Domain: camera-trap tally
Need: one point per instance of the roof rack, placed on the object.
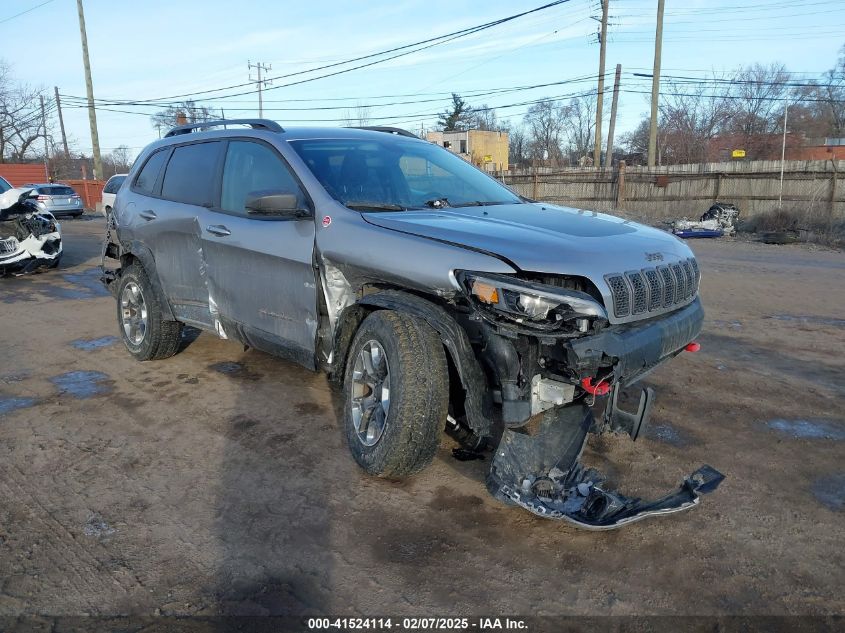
(389, 130)
(255, 124)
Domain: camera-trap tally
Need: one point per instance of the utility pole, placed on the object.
(600, 97)
(61, 121)
(261, 83)
(655, 85)
(783, 154)
(89, 88)
(46, 149)
(609, 156)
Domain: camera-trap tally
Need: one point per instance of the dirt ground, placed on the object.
(218, 481)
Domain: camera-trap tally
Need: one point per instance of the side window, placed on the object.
(146, 180)
(252, 167)
(190, 174)
(113, 184)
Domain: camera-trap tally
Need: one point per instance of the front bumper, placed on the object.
(634, 350)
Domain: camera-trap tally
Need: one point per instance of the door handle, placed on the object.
(148, 214)
(218, 230)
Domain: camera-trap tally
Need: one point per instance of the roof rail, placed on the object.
(390, 130)
(255, 124)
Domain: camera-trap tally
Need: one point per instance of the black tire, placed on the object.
(161, 338)
(419, 394)
(55, 263)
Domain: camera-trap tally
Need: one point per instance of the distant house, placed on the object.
(485, 149)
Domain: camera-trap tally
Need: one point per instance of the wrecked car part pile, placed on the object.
(29, 239)
(718, 220)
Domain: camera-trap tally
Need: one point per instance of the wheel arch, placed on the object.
(477, 403)
(130, 252)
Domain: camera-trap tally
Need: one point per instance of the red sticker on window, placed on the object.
(326, 221)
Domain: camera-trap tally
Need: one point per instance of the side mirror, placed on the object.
(275, 203)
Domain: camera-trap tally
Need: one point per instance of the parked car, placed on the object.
(30, 239)
(436, 295)
(57, 199)
(110, 191)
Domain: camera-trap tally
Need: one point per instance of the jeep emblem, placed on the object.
(654, 257)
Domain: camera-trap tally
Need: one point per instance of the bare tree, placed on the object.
(691, 116)
(581, 127)
(484, 118)
(359, 117)
(758, 96)
(545, 122)
(179, 114)
(116, 162)
(518, 142)
(20, 118)
(821, 105)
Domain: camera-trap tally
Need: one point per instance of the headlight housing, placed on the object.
(530, 303)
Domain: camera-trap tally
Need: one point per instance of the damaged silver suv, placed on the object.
(435, 295)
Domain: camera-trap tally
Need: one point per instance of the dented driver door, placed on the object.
(261, 279)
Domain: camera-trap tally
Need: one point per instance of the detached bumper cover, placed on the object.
(542, 473)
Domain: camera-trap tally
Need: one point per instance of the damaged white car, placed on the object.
(29, 238)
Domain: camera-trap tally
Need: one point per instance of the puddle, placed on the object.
(236, 370)
(809, 429)
(830, 491)
(809, 320)
(97, 527)
(88, 345)
(227, 367)
(88, 282)
(667, 434)
(82, 384)
(7, 405)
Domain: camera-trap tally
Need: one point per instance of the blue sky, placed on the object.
(147, 49)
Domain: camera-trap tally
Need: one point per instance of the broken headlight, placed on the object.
(528, 302)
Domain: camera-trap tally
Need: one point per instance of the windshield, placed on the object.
(4, 185)
(396, 175)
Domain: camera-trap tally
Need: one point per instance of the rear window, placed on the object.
(56, 190)
(191, 173)
(113, 184)
(4, 185)
(146, 180)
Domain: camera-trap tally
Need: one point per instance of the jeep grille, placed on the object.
(653, 291)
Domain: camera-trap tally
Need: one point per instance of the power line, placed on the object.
(433, 41)
(17, 15)
(480, 92)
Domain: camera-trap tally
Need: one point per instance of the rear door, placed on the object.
(168, 224)
(261, 276)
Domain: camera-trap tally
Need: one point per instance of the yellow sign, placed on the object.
(488, 158)
(738, 153)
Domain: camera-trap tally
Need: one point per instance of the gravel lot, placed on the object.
(218, 481)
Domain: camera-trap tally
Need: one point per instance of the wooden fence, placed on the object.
(688, 190)
(91, 191)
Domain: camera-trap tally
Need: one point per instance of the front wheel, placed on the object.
(139, 316)
(397, 394)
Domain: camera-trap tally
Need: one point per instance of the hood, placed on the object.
(544, 238)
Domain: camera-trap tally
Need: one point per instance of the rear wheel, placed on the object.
(396, 402)
(139, 316)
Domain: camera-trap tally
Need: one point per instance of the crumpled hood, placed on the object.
(544, 238)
